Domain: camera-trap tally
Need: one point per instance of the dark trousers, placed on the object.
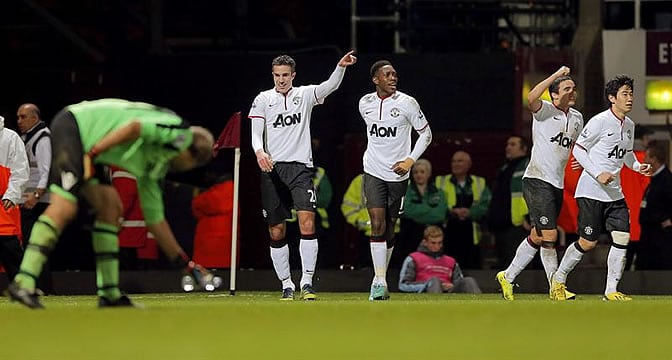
(655, 250)
(11, 254)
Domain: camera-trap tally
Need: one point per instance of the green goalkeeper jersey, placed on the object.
(163, 136)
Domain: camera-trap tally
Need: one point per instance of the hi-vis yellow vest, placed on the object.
(477, 187)
(518, 205)
(322, 212)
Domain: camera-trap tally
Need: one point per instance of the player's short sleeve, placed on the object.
(545, 112)
(258, 106)
(151, 201)
(590, 134)
(415, 115)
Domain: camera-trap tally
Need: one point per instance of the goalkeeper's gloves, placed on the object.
(202, 276)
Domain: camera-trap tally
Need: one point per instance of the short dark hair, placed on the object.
(555, 85)
(641, 130)
(657, 150)
(284, 60)
(611, 88)
(524, 143)
(377, 65)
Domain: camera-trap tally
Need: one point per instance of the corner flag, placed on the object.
(230, 136)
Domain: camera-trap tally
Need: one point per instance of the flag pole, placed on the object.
(234, 226)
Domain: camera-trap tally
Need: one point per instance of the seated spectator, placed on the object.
(424, 205)
(429, 270)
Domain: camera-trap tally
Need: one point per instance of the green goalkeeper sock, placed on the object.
(43, 238)
(106, 248)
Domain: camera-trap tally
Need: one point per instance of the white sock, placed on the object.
(388, 256)
(308, 250)
(569, 261)
(615, 267)
(549, 258)
(379, 257)
(280, 257)
(524, 254)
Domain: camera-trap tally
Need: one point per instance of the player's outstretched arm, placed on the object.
(166, 240)
(533, 97)
(324, 89)
(348, 59)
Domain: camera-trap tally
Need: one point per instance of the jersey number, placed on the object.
(313, 198)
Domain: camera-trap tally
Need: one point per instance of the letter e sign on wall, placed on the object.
(658, 53)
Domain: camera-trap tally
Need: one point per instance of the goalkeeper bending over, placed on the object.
(147, 141)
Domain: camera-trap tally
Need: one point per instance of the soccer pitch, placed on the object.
(256, 325)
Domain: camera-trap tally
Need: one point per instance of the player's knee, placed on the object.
(307, 226)
(277, 233)
(377, 226)
(620, 239)
(587, 245)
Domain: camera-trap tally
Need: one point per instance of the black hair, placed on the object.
(555, 85)
(377, 65)
(611, 88)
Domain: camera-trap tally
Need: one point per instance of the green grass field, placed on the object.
(256, 325)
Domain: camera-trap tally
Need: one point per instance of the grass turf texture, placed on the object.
(256, 325)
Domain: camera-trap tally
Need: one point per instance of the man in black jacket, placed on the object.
(655, 215)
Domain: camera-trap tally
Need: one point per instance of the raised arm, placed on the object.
(533, 97)
(334, 81)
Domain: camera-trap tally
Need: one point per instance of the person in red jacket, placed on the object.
(13, 178)
(213, 210)
(137, 247)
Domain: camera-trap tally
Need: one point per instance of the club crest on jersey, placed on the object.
(296, 100)
(395, 112)
(629, 134)
(543, 220)
(585, 133)
(576, 127)
(289, 120)
(588, 230)
(383, 131)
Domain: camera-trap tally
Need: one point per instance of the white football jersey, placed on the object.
(287, 119)
(553, 135)
(607, 139)
(389, 122)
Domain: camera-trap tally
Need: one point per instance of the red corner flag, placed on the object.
(230, 136)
